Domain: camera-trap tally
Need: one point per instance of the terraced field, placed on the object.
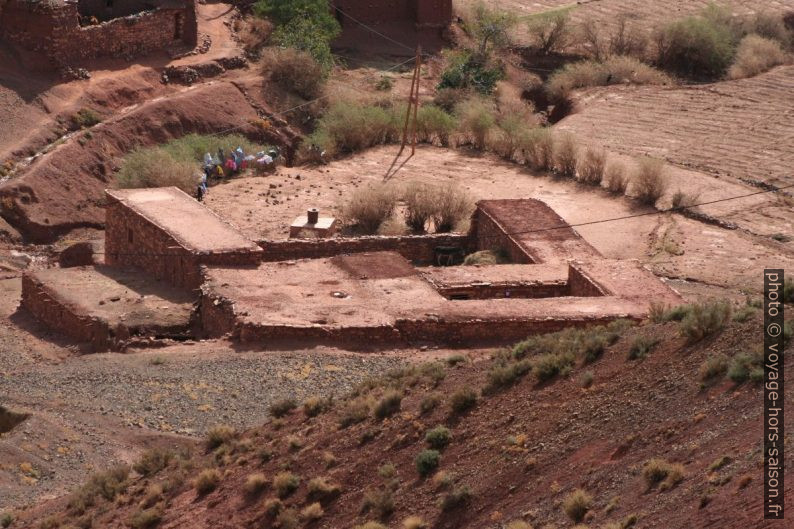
(743, 129)
(647, 15)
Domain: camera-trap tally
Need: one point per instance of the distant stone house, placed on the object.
(407, 21)
(72, 31)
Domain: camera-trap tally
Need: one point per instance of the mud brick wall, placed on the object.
(62, 318)
(582, 285)
(132, 240)
(55, 30)
(417, 248)
(490, 235)
(376, 12)
(433, 13)
(504, 290)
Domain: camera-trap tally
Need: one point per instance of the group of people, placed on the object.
(224, 166)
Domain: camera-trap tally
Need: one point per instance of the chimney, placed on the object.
(313, 215)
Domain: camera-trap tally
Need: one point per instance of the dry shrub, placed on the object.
(378, 502)
(515, 120)
(323, 490)
(487, 257)
(453, 205)
(613, 70)
(103, 485)
(156, 168)
(684, 200)
(537, 149)
(296, 71)
(624, 39)
(659, 471)
(591, 166)
(756, 55)
(699, 46)
(615, 178)
(255, 484)
(349, 127)
(207, 481)
(312, 512)
(566, 154)
(414, 522)
(476, 120)
(650, 181)
(370, 206)
(285, 483)
(314, 406)
(434, 125)
(147, 518)
(255, 33)
(550, 30)
(419, 205)
(705, 319)
(219, 435)
(576, 505)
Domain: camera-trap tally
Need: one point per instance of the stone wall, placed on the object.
(62, 318)
(55, 29)
(133, 240)
(580, 284)
(419, 249)
(505, 291)
(490, 235)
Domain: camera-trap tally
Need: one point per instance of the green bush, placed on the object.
(741, 367)
(704, 320)
(470, 71)
(489, 27)
(434, 125)
(438, 438)
(696, 46)
(641, 347)
(306, 25)
(85, 118)
(463, 400)
(476, 118)
(351, 127)
(788, 291)
(427, 462)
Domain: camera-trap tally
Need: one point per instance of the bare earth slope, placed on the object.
(519, 452)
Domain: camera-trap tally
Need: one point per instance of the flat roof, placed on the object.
(538, 229)
(193, 226)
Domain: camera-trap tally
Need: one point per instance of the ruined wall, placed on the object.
(505, 291)
(132, 240)
(109, 9)
(489, 235)
(62, 318)
(582, 285)
(416, 248)
(54, 29)
(433, 13)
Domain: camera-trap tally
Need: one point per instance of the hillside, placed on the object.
(517, 454)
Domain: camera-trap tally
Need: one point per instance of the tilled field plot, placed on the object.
(742, 129)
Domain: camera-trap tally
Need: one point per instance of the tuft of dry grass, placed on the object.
(576, 505)
(156, 168)
(613, 70)
(756, 55)
(592, 166)
(296, 71)
(615, 178)
(566, 154)
(650, 181)
(370, 206)
(537, 149)
(659, 471)
(452, 206)
(419, 205)
(312, 512)
(285, 483)
(476, 118)
(414, 522)
(255, 484)
(323, 490)
(314, 406)
(207, 481)
(219, 435)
